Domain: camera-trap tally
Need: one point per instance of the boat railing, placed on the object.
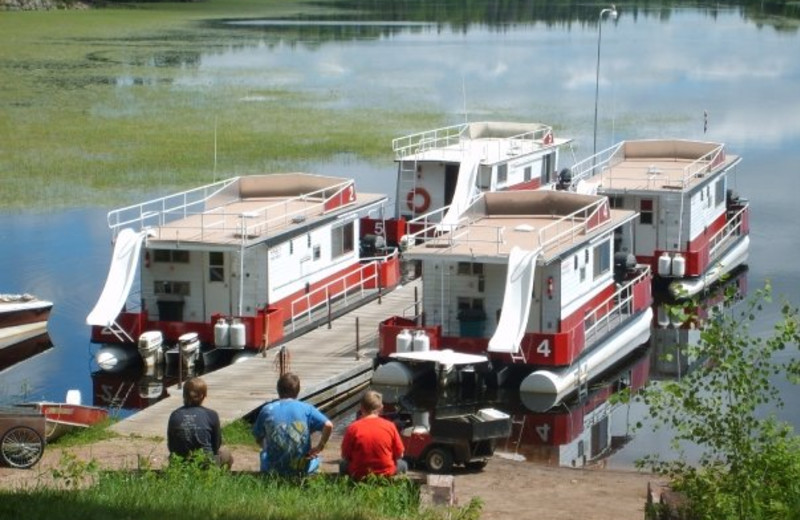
(609, 313)
(702, 165)
(352, 284)
(208, 204)
(595, 164)
(564, 229)
(458, 134)
(163, 210)
(733, 228)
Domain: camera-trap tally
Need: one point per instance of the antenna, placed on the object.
(215, 148)
(464, 97)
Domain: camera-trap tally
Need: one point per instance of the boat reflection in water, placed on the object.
(588, 425)
(18, 350)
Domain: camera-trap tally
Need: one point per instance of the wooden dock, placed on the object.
(325, 359)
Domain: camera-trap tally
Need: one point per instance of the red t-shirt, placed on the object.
(371, 445)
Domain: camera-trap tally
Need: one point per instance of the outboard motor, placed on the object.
(624, 263)
(564, 179)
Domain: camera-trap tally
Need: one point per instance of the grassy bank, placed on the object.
(98, 106)
(190, 492)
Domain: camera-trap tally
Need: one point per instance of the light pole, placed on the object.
(612, 12)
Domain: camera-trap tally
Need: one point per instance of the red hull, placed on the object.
(61, 418)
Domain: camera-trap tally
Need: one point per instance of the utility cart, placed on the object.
(467, 439)
(21, 436)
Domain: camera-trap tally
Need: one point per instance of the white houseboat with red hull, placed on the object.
(233, 263)
(692, 227)
(526, 279)
(441, 172)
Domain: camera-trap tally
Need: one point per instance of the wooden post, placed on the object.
(358, 342)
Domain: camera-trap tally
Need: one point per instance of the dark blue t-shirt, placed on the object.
(193, 428)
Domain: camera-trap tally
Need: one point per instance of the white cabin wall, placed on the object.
(290, 267)
(579, 285)
(705, 208)
(430, 176)
(669, 222)
(516, 170)
(255, 279)
(191, 273)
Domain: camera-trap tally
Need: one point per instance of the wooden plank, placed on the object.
(323, 358)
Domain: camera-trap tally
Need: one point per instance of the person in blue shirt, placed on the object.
(283, 429)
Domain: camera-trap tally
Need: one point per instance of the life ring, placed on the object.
(411, 199)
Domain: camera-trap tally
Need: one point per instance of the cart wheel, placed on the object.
(21, 447)
(439, 460)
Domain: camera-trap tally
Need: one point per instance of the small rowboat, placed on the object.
(61, 418)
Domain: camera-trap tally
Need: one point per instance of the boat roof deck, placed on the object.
(660, 165)
(492, 142)
(490, 237)
(250, 209)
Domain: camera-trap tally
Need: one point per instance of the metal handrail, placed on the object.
(451, 135)
(621, 303)
(309, 308)
(731, 228)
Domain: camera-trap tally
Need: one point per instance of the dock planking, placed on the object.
(325, 359)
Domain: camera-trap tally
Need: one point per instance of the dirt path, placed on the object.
(508, 489)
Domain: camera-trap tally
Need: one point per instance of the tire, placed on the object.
(21, 447)
(439, 460)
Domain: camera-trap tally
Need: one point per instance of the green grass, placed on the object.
(86, 118)
(186, 491)
(83, 436)
(239, 432)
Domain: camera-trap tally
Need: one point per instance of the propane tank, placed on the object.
(664, 264)
(678, 266)
(403, 341)
(663, 317)
(238, 334)
(221, 333)
(422, 343)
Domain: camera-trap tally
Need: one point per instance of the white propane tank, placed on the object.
(422, 343)
(403, 341)
(678, 266)
(238, 334)
(664, 264)
(221, 333)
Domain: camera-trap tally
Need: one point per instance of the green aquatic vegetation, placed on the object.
(99, 107)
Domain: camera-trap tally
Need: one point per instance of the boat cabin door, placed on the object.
(645, 230)
(216, 283)
(450, 181)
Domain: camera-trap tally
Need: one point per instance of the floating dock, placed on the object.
(330, 362)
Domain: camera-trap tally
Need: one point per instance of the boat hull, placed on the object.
(736, 256)
(62, 418)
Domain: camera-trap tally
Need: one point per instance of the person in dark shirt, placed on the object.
(193, 427)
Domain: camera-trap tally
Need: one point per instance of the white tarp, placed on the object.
(444, 357)
(465, 191)
(516, 301)
(121, 274)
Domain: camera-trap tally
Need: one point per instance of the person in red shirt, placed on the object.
(372, 444)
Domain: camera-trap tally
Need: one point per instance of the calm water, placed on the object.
(658, 75)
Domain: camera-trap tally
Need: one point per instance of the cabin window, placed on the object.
(470, 268)
(171, 256)
(216, 266)
(616, 202)
(502, 174)
(719, 192)
(646, 211)
(308, 239)
(527, 173)
(602, 258)
(291, 247)
(317, 252)
(171, 287)
(342, 241)
(470, 304)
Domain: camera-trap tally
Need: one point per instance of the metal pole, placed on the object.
(612, 12)
(358, 342)
(330, 312)
(416, 305)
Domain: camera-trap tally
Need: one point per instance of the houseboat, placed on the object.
(533, 281)
(692, 226)
(237, 264)
(441, 172)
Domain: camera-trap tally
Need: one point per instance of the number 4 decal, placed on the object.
(544, 432)
(544, 348)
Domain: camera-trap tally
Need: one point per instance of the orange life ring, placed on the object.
(411, 199)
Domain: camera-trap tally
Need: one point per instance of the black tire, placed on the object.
(439, 460)
(21, 447)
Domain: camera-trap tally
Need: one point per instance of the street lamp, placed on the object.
(612, 12)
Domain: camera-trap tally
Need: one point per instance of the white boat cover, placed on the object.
(444, 357)
(465, 192)
(516, 301)
(121, 274)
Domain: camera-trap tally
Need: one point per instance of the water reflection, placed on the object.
(12, 353)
